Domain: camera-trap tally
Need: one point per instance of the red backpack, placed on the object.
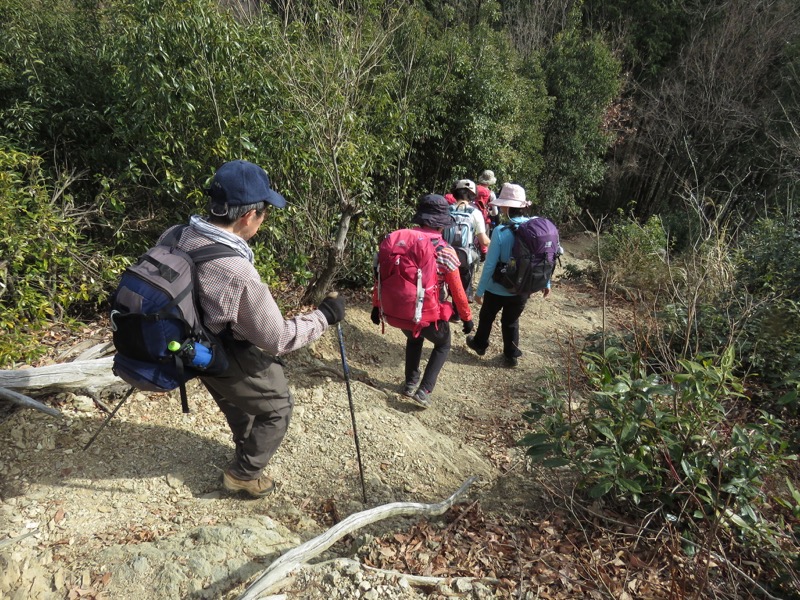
(408, 287)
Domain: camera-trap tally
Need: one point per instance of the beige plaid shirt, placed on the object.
(231, 291)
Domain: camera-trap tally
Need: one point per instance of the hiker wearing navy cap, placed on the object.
(253, 393)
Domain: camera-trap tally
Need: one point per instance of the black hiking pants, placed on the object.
(512, 307)
(437, 333)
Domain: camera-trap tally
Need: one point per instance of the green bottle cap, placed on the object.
(174, 346)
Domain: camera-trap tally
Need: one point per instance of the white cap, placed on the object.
(466, 184)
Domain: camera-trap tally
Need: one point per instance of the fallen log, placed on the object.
(272, 577)
(22, 400)
(90, 376)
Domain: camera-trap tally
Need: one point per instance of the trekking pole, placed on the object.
(346, 370)
(110, 416)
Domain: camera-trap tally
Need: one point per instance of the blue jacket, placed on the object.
(499, 251)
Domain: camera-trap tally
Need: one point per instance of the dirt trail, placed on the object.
(140, 514)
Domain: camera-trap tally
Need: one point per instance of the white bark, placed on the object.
(276, 573)
(27, 402)
(91, 376)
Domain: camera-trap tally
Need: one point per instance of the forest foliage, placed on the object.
(355, 109)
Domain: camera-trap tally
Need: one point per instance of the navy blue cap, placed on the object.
(240, 182)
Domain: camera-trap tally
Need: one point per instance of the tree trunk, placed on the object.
(334, 259)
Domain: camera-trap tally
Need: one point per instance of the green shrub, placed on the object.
(768, 268)
(583, 77)
(743, 296)
(663, 442)
(49, 269)
(634, 256)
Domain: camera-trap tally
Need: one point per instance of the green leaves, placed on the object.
(52, 265)
(661, 441)
(583, 77)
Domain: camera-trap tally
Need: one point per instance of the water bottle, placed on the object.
(198, 354)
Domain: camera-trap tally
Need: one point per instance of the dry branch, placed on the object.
(27, 402)
(415, 580)
(274, 575)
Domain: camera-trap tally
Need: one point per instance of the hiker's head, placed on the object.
(433, 211)
(464, 190)
(487, 178)
(483, 197)
(239, 187)
(511, 200)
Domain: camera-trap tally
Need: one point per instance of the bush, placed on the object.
(49, 268)
(768, 268)
(663, 442)
(634, 256)
(672, 446)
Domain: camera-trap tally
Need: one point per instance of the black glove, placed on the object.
(468, 326)
(375, 315)
(333, 309)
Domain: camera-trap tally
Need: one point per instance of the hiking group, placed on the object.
(195, 306)
(415, 273)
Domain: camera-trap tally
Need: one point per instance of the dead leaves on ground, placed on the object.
(517, 554)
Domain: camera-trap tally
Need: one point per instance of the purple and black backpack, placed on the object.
(533, 257)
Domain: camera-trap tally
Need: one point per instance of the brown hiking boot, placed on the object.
(258, 488)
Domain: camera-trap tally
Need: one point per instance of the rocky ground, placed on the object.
(140, 514)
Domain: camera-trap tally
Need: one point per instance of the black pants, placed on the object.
(439, 335)
(512, 307)
(467, 273)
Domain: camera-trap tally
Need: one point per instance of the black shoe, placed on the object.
(510, 361)
(472, 346)
(410, 387)
(422, 398)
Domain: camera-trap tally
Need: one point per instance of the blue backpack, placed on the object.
(156, 319)
(461, 235)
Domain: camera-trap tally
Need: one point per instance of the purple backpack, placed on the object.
(533, 257)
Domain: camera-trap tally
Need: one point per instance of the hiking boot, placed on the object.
(257, 488)
(510, 361)
(410, 387)
(422, 398)
(474, 347)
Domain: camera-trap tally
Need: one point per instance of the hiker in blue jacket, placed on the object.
(491, 295)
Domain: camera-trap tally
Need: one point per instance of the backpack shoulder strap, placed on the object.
(198, 255)
(174, 236)
(211, 252)
(510, 226)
